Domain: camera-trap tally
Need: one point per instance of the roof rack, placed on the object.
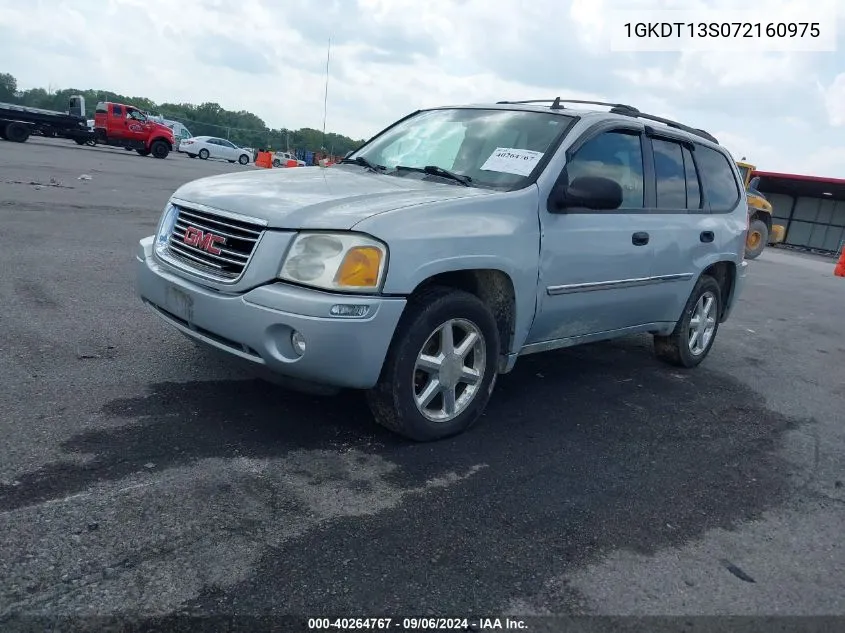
(619, 108)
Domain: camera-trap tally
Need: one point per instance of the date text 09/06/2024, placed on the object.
(750, 30)
(416, 624)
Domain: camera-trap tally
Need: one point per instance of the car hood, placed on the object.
(317, 197)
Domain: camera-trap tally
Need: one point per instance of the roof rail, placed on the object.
(622, 109)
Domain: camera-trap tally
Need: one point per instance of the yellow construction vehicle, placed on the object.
(760, 228)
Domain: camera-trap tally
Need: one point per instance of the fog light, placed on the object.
(298, 342)
(347, 310)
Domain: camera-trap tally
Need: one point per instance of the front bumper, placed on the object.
(257, 325)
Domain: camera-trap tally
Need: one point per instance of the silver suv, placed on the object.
(450, 244)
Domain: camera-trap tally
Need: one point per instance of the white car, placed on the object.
(281, 159)
(212, 147)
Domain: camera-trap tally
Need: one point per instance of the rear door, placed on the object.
(116, 125)
(688, 237)
(213, 147)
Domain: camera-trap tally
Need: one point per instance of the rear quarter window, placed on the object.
(720, 188)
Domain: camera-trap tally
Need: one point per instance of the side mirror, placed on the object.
(589, 192)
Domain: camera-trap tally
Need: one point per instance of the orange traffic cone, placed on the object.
(839, 271)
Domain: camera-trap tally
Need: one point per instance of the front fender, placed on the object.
(492, 232)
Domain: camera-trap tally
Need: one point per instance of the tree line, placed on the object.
(242, 128)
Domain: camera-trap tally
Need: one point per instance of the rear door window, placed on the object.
(671, 186)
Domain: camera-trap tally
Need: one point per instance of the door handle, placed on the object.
(640, 238)
(707, 236)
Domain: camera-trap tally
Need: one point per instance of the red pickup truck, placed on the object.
(126, 126)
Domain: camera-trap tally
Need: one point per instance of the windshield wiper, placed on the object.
(360, 160)
(438, 171)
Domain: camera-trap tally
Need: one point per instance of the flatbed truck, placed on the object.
(115, 124)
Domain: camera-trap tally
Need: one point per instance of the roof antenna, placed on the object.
(556, 105)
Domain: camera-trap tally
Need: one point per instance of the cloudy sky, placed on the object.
(783, 111)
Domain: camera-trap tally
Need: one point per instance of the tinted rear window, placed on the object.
(721, 192)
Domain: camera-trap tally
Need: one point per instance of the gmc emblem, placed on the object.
(203, 241)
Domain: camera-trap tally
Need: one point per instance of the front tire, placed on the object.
(244, 159)
(440, 368)
(277, 162)
(203, 154)
(695, 332)
(159, 149)
(758, 237)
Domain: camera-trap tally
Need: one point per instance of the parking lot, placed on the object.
(140, 474)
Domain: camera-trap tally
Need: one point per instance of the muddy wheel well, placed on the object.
(724, 273)
(493, 287)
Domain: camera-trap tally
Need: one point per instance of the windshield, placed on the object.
(495, 148)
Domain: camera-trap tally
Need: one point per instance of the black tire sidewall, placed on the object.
(156, 152)
(16, 132)
(241, 161)
(203, 153)
(419, 328)
(705, 283)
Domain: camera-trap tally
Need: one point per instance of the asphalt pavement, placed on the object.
(142, 475)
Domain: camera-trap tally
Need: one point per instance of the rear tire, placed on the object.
(695, 332)
(159, 149)
(419, 361)
(758, 237)
(203, 154)
(17, 132)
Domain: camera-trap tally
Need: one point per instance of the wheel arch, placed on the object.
(764, 217)
(724, 272)
(163, 139)
(493, 286)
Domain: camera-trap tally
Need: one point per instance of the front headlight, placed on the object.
(166, 224)
(336, 261)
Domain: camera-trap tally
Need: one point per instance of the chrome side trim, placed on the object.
(613, 285)
(215, 211)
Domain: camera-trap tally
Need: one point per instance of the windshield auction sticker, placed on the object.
(512, 161)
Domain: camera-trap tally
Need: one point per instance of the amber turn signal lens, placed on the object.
(360, 268)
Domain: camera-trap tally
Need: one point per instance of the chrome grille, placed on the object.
(234, 254)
